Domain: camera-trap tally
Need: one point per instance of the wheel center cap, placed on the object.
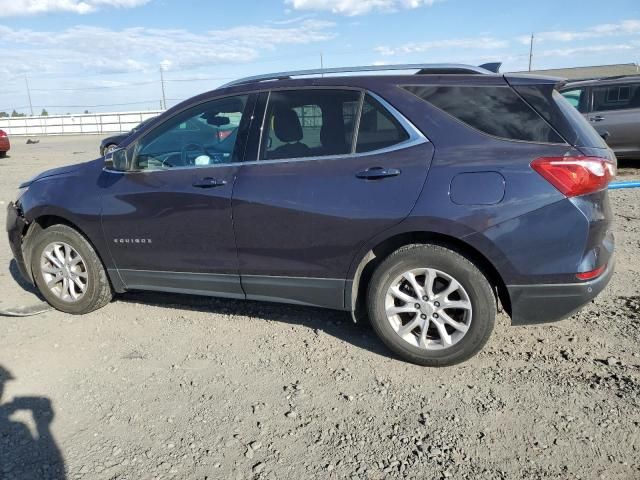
(427, 308)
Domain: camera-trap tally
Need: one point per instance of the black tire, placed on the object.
(444, 259)
(3, 154)
(98, 290)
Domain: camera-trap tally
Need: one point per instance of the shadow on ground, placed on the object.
(27, 453)
(19, 279)
(335, 323)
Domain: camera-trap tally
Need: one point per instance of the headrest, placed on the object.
(286, 125)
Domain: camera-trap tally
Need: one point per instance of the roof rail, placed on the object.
(426, 68)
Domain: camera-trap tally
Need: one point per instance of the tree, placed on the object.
(3, 114)
(16, 114)
(86, 111)
(44, 113)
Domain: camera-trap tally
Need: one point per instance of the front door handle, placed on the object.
(597, 118)
(376, 173)
(209, 182)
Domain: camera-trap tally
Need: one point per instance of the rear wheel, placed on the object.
(431, 305)
(68, 272)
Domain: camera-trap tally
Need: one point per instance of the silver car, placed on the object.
(612, 105)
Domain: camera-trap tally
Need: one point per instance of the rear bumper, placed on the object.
(5, 146)
(15, 226)
(532, 304)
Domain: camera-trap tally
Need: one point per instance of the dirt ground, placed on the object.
(169, 386)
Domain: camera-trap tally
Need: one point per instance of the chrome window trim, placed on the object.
(416, 137)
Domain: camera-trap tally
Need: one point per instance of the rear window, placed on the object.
(497, 111)
(556, 110)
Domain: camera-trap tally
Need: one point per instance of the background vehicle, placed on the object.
(612, 105)
(109, 144)
(5, 146)
(419, 200)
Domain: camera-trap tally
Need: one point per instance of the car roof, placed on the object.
(603, 81)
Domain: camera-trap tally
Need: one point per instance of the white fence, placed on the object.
(92, 123)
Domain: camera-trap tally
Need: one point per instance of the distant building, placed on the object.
(587, 73)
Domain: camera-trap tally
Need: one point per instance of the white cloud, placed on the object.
(12, 8)
(357, 7)
(484, 43)
(625, 27)
(144, 49)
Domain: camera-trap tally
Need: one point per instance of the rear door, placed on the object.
(616, 110)
(316, 191)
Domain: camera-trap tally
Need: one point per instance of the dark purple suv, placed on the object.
(420, 201)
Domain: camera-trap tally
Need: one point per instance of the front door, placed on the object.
(317, 192)
(168, 221)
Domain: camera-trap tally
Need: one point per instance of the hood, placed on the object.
(54, 172)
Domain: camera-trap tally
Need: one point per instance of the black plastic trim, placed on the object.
(531, 304)
(317, 292)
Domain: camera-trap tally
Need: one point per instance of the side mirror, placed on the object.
(605, 135)
(117, 160)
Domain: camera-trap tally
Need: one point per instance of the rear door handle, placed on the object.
(376, 173)
(209, 182)
(597, 118)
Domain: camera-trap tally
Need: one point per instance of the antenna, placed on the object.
(531, 52)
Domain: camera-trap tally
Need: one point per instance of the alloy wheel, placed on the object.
(428, 309)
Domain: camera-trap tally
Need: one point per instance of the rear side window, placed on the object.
(378, 128)
(310, 123)
(616, 97)
(497, 111)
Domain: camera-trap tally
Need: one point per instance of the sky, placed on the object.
(106, 55)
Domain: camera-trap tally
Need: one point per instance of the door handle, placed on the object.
(209, 182)
(376, 173)
(597, 118)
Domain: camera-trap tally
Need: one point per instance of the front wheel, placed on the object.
(431, 305)
(68, 272)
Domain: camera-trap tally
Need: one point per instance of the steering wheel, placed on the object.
(189, 148)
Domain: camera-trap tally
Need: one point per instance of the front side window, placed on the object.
(497, 111)
(202, 136)
(616, 97)
(309, 123)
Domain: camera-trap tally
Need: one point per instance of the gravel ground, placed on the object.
(169, 386)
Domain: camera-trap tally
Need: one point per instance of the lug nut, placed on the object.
(417, 306)
(425, 298)
(435, 315)
(437, 304)
(423, 316)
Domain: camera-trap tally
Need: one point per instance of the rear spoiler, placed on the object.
(492, 66)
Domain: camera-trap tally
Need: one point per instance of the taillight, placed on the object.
(3, 133)
(575, 176)
(592, 274)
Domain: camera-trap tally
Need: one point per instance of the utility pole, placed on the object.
(164, 99)
(531, 52)
(26, 81)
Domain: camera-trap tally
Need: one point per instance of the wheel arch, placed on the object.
(355, 293)
(45, 220)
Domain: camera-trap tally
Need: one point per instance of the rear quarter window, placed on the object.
(496, 111)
